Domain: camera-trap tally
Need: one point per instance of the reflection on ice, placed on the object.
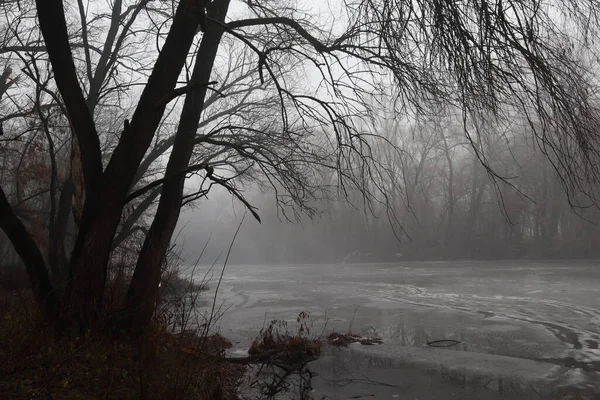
(383, 373)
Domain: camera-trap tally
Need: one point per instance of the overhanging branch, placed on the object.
(150, 186)
(295, 25)
(54, 30)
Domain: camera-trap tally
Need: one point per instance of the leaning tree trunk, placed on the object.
(142, 293)
(32, 257)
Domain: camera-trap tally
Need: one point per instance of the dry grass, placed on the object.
(34, 365)
(280, 359)
(285, 347)
(277, 342)
(163, 364)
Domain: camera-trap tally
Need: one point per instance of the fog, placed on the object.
(440, 203)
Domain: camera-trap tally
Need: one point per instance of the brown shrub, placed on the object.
(277, 342)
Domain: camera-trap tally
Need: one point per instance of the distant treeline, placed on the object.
(442, 205)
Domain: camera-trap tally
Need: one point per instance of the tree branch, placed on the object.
(126, 227)
(54, 30)
(295, 25)
(40, 49)
(150, 186)
(84, 37)
(234, 191)
(187, 89)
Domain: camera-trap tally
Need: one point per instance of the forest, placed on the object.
(444, 205)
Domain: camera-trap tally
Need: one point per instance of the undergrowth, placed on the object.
(277, 340)
(35, 365)
(104, 364)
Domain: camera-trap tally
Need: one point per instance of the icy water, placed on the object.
(520, 325)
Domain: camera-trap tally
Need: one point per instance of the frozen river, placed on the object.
(543, 317)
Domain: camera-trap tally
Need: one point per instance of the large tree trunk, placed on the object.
(106, 192)
(102, 215)
(143, 290)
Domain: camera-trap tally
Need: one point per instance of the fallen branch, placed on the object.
(344, 339)
(253, 359)
(443, 343)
